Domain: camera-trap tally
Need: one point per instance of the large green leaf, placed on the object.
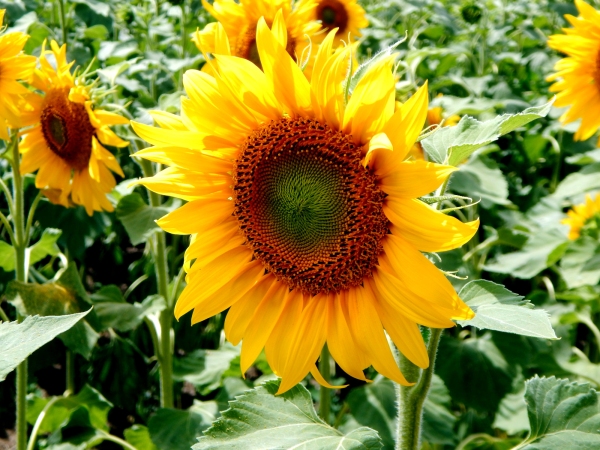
(562, 415)
(586, 180)
(45, 246)
(438, 421)
(542, 250)
(480, 178)
(452, 145)
(123, 316)
(19, 340)
(176, 429)
(7, 257)
(258, 419)
(65, 295)
(497, 308)
(139, 437)
(474, 371)
(580, 265)
(138, 217)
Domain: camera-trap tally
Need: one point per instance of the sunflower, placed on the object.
(305, 220)
(66, 142)
(579, 217)
(14, 66)
(345, 15)
(239, 20)
(577, 77)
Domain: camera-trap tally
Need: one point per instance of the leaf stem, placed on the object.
(3, 315)
(324, 393)
(39, 421)
(116, 440)
(63, 24)
(70, 369)
(30, 215)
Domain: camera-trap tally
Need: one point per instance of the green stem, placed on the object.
(411, 399)
(63, 24)
(164, 352)
(3, 315)
(116, 440)
(324, 393)
(38, 422)
(30, 215)
(20, 246)
(7, 195)
(70, 366)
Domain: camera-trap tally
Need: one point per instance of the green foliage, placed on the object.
(19, 340)
(258, 419)
(138, 218)
(176, 429)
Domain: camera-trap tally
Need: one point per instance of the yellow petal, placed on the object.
(198, 215)
(413, 179)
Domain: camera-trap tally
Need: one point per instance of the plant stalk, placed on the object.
(324, 393)
(63, 22)
(164, 352)
(20, 246)
(70, 366)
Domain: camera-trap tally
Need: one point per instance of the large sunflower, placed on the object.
(305, 220)
(66, 142)
(14, 66)
(239, 20)
(577, 80)
(345, 15)
(581, 216)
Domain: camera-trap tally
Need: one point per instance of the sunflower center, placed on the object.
(333, 14)
(310, 212)
(67, 128)
(246, 46)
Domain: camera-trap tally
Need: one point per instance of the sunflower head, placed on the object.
(303, 211)
(584, 219)
(577, 77)
(14, 66)
(66, 144)
(239, 21)
(347, 16)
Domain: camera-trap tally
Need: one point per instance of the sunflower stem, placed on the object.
(411, 399)
(324, 393)
(163, 351)
(63, 22)
(20, 246)
(70, 369)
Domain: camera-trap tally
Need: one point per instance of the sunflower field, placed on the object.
(299, 224)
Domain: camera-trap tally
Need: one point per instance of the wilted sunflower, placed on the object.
(305, 220)
(14, 66)
(580, 215)
(66, 142)
(239, 20)
(578, 75)
(345, 15)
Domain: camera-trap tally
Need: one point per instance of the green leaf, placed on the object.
(562, 414)
(139, 437)
(452, 145)
(204, 368)
(512, 414)
(64, 296)
(497, 308)
(62, 407)
(138, 218)
(474, 371)
(438, 421)
(176, 429)
(541, 251)
(45, 246)
(586, 180)
(124, 316)
(258, 419)
(7, 257)
(19, 340)
(96, 32)
(579, 266)
(480, 178)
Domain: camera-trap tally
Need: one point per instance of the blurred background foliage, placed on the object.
(482, 58)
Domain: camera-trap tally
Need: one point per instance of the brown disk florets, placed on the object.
(67, 128)
(311, 213)
(333, 14)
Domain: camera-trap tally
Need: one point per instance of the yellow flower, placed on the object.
(239, 20)
(577, 80)
(304, 216)
(579, 215)
(345, 15)
(65, 145)
(14, 66)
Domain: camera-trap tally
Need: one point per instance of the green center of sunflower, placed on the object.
(333, 14)
(67, 128)
(310, 212)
